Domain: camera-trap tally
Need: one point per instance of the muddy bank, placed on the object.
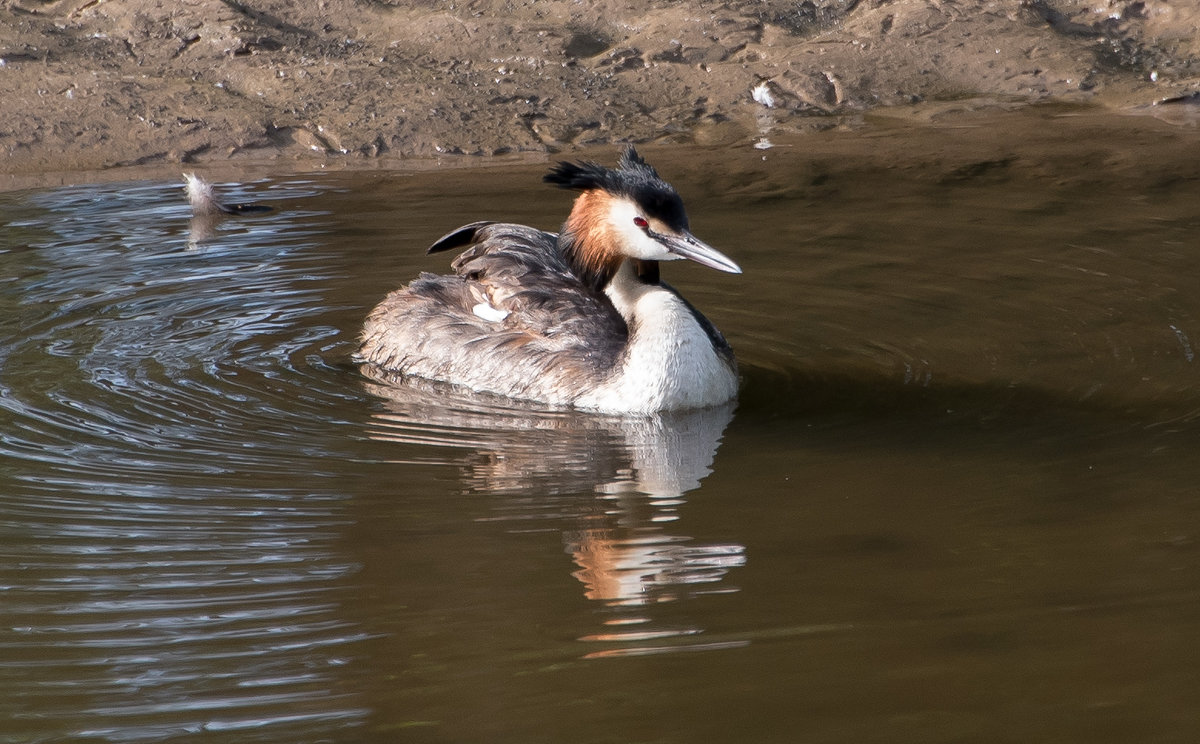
(90, 84)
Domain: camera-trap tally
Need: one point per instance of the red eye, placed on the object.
(641, 222)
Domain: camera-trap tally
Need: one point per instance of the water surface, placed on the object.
(957, 499)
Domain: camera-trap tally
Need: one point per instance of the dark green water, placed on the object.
(959, 498)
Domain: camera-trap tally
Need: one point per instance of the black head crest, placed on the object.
(633, 178)
(631, 170)
(631, 161)
(583, 176)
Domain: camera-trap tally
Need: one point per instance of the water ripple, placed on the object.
(158, 578)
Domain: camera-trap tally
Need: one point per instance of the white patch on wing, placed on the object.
(489, 313)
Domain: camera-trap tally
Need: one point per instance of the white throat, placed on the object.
(670, 361)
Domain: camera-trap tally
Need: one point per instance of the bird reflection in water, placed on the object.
(615, 485)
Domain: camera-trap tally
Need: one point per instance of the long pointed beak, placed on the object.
(686, 245)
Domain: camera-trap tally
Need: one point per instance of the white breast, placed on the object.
(670, 362)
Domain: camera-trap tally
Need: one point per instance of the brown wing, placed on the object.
(513, 319)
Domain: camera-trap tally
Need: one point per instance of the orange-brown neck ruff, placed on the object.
(587, 241)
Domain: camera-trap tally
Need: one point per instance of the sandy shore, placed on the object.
(95, 84)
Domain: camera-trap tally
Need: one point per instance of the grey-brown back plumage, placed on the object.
(556, 328)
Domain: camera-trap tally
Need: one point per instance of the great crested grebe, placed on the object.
(577, 319)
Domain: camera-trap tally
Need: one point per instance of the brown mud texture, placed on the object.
(92, 84)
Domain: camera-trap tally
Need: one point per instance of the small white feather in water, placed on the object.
(201, 196)
(205, 203)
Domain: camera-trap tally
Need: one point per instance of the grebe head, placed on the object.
(628, 212)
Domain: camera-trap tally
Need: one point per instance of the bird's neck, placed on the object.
(587, 240)
(670, 360)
